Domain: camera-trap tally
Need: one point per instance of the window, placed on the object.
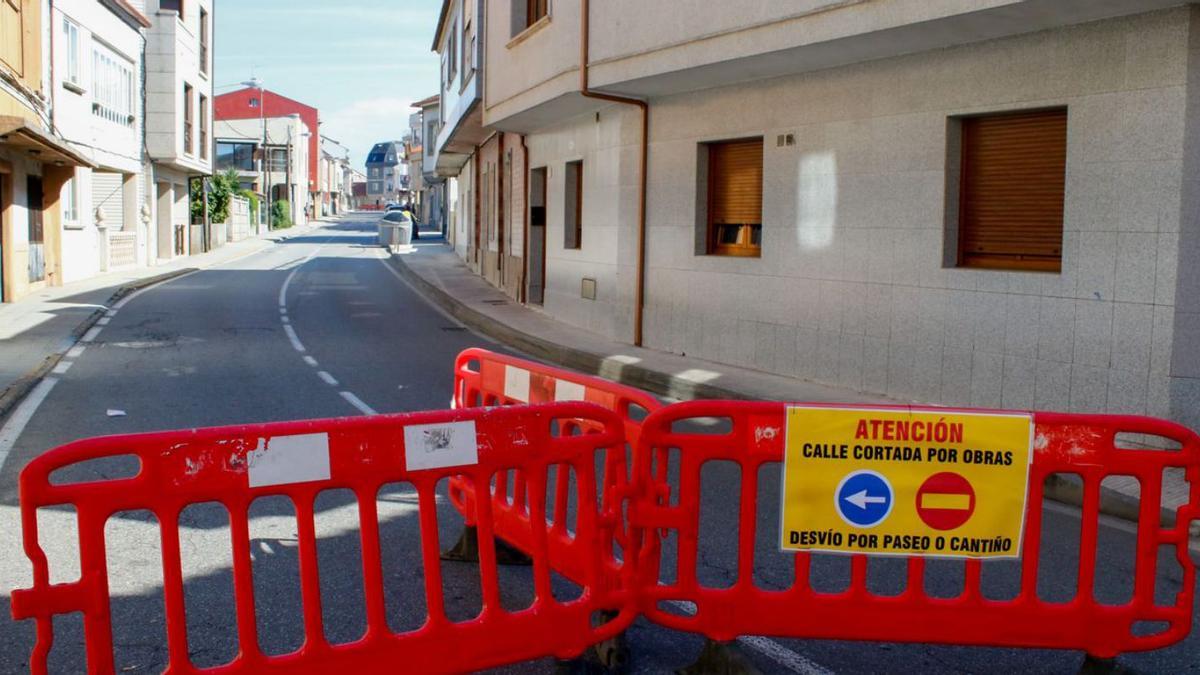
(1013, 173)
(535, 10)
(239, 156)
(452, 52)
(203, 41)
(172, 5)
(277, 159)
(735, 181)
(70, 202)
(526, 13)
(13, 35)
(71, 37)
(573, 206)
(253, 102)
(375, 187)
(112, 86)
(374, 171)
(187, 119)
(203, 127)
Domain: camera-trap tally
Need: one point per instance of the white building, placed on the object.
(239, 142)
(819, 198)
(179, 115)
(97, 57)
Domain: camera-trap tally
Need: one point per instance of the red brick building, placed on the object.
(245, 104)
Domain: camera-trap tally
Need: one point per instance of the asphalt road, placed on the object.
(214, 348)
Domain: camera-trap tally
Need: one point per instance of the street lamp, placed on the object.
(256, 83)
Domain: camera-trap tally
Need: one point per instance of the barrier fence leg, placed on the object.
(466, 549)
(608, 657)
(720, 658)
(1094, 665)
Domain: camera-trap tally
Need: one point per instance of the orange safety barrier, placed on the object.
(1084, 445)
(236, 465)
(485, 378)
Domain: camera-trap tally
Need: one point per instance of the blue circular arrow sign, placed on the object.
(864, 498)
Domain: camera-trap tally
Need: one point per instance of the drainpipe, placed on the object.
(640, 294)
(525, 238)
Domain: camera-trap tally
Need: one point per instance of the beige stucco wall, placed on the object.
(851, 288)
(607, 142)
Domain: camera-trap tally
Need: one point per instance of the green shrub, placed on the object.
(281, 214)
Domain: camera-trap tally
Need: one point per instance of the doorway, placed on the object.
(37, 232)
(537, 236)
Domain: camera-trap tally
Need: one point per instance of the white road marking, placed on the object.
(291, 333)
(76, 351)
(284, 319)
(310, 361)
(769, 648)
(783, 656)
(104, 321)
(21, 416)
(110, 313)
(92, 333)
(62, 367)
(357, 403)
(329, 379)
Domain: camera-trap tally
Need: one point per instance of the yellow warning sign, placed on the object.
(899, 482)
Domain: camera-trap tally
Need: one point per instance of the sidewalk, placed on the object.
(38, 329)
(443, 277)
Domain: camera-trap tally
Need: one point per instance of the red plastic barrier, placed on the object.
(1078, 444)
(236, 465)
(484, 378)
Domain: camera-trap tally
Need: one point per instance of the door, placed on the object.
(37, 234)
(537, 236)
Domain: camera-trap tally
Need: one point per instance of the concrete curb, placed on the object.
(1112, 503)
(15, 392)
(632, 375)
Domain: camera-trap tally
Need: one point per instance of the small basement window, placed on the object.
(735, 186)
(1011, 187)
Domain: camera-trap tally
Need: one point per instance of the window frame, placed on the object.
(532, 16)
(70, 204)
(203, 137)
(573, 176)
(744, 244)
(957, 237)
(112, 86)
(204, 39)
(188, 119)
(73, 80)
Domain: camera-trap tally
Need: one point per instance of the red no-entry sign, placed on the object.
(945, 501)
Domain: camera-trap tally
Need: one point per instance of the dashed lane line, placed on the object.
(291, 333)
(310, 361)
(20, 417)
(357, 403)
(329, 379)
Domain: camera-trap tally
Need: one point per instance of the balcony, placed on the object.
(173, 53)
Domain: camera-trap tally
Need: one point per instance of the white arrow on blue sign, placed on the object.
(864, 498)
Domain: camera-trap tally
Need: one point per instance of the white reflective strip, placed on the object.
(569, 391)
(289, 459)
(433, 446)
(516, 383)
(62, 367)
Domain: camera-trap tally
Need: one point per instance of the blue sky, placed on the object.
(360, 62)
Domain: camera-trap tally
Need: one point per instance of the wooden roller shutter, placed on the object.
(1013, 178)
(735, 176)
